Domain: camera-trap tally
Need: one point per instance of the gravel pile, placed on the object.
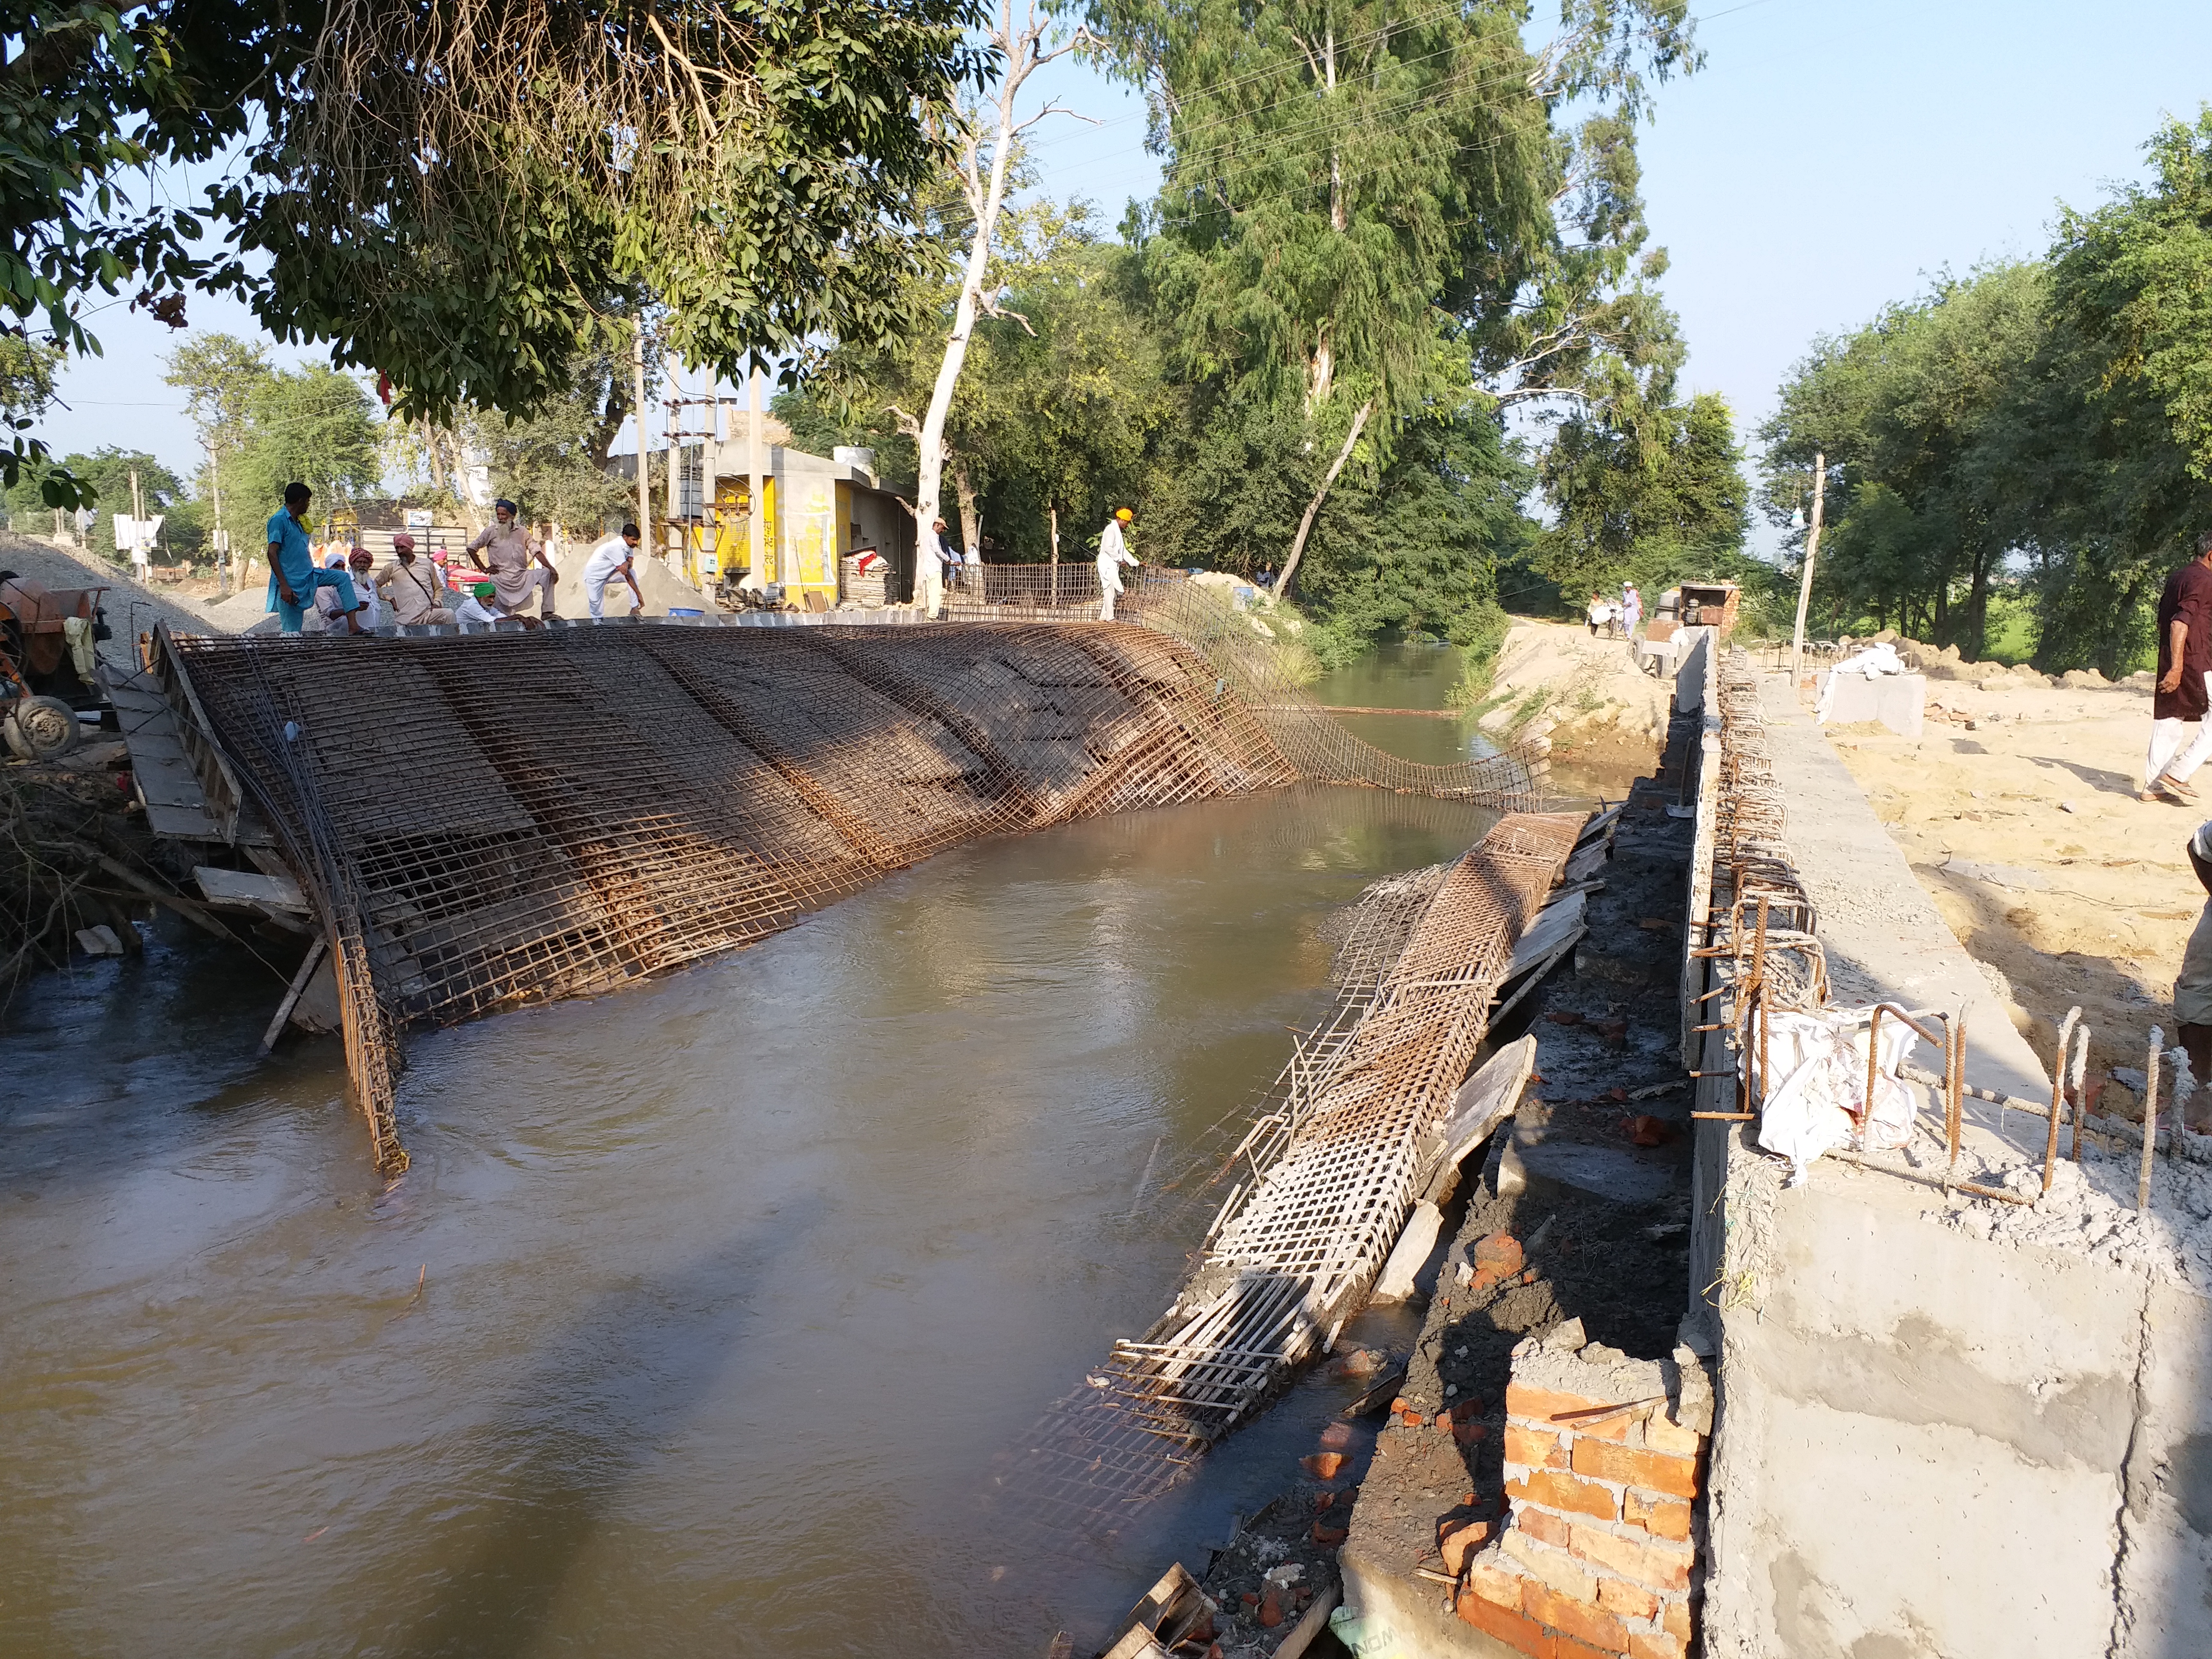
(131, 609)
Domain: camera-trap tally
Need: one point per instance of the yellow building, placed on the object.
(817, 512)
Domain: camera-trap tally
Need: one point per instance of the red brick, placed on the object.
(1659, 1646)
(1538, 1524)
(1565, 1647)
(1660, 1518)
(1532, 1447)
(1499, 1252)
(1600, 1629)
(1556, 1412)
(1494, 1585)
(1271, 1608)
(1554, 1568)
(1564, 1491)
(1662, 1436)
(1336, 1437)
(1648, 1564)
(1676, 1620)
(1329, 1536)
(1467, 1434)
(1325, 1466)
(1459, 1537)
(1521, 1634)
(1654, 1471)
(1629, 1601)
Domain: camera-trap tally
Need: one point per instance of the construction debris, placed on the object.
(1297, 1247)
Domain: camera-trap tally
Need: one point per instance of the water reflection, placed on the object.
(732, 1285)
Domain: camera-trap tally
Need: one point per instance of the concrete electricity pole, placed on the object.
(637, 402)
(755, 466)
(137, 528)
(1805, 587)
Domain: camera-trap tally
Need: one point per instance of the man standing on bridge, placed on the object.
(508, 553)
(1113, 554)
(293, 578)
(609, 559)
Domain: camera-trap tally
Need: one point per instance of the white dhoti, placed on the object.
(929, 588)
(2168, 756)
(1109, 584)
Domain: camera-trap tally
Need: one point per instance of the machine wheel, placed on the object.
(41, 728)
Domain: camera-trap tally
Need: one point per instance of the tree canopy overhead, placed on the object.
(454, 192)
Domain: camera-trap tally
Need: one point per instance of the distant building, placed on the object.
(819, 513)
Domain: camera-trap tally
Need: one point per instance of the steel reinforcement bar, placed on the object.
(1293, 1252)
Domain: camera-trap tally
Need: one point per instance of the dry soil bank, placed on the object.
(2017, 811)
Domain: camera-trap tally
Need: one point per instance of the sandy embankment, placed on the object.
(1603, 711)
(2024, 829)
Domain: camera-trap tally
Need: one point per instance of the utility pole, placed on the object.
(221, 535)
(637, 385)
(756, 466)
(1805, 586)
(137, 528)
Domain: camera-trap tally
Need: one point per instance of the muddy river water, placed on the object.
(707, 1307)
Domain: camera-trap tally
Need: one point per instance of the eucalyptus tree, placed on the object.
(1370, 208)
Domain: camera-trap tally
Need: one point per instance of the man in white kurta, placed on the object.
(929, 568)
(1113, 554)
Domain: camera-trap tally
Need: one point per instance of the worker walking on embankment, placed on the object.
(1113, 554)
(2183, 691)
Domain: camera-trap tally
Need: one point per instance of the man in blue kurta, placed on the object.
(292, 577)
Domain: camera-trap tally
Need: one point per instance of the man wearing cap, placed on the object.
(480, 605)
(417, 594)
(611, 558)
(1113, 554)
(293, 578)
(515, 562)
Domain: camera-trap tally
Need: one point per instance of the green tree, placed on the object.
(2118, 406)
(219, 375)
(1932, 401)
(108, 471)
(528, 171)
(1324, 244)
(313, 425)
(1648, 492)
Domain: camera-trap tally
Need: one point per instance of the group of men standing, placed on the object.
(345, 593)
(933, 558)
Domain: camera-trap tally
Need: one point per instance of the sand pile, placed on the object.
(1580, 682)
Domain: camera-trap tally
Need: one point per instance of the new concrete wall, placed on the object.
(1929, 1444)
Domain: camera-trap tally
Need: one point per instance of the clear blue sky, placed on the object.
(1828, 159)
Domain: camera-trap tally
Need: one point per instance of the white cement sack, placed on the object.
(1819, 1081)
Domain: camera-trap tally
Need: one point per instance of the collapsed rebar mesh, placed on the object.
(488, 820)
(1332, 1177)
